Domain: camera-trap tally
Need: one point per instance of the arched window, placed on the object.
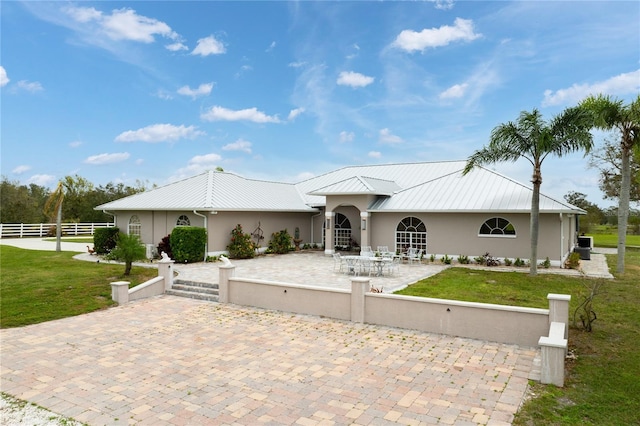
(497, 226)
(134, 225)
(411, 232)
(341, 231)
(183, 220)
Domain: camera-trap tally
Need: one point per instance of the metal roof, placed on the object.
(427, 187)
(213, 191)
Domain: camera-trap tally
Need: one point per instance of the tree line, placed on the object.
(20, 203)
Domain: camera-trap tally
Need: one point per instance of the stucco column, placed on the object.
(120, 292)
(359, 286)
(365, 228)
(165, 270)
(559, 310)
(329, 219)
(224, 273)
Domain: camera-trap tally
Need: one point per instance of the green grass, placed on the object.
(85, 240)
(611, 240)
(603, 383)
(38, 286)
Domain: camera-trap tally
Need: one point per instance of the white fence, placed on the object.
(20, 230)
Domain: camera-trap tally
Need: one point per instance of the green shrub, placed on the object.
(104, 239)
(519, 262)
(241, 246)
(463, 259)
(280, 242)
(128, 249)
(188, 243)
(507, 261)
(545, 264)
(446, 260)
(573, 261)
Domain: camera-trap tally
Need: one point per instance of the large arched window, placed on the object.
(183, 220)
(497, 227)
(411, 232)
(134, 225)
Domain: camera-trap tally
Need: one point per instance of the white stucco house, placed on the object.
(429, 206)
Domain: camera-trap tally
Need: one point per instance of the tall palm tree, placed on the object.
(613, 114)
(533, 139)
(53, 207)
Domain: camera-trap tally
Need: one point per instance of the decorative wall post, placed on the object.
(359, 286)
(225, 272)
(329, 219)
(120, 292)
(165, 270)
(559, 310)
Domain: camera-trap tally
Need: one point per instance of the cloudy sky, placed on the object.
(162, 90)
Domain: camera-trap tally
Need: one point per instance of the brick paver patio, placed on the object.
(169, 360)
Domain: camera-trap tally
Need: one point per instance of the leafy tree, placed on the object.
(533, 139)
(612, 114)
(22, 203)
(128, 249)
(608, 161)
(241, 246)
(594, 215)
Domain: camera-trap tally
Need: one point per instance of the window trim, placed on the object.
(503, 235)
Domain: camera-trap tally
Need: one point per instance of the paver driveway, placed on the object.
(169, 360)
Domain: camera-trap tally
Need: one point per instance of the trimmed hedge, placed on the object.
(188, 243)
(105, 239)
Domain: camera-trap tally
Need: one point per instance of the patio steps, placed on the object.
(194, 290)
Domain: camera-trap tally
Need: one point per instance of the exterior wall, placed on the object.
(457, 233)
(221, 224)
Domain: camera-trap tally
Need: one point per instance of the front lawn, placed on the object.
(38, 286)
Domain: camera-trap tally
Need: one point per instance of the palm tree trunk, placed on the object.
(127, 268)
(59, 228)
(623, 208)
(535, 226)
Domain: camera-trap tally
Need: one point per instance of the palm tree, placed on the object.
(128, 249)
(53, 207)
(613, 114)
(531, 138)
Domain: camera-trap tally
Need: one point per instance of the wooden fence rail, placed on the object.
(21, 230)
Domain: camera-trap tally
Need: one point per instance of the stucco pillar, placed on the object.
(120, 292)
(224, 273)
(329, 219)
(359, 286)
(365, 228)
(559, 310)
(165, 270)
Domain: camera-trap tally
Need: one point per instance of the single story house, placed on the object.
(429, 206)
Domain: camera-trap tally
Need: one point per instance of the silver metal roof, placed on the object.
(428, 187)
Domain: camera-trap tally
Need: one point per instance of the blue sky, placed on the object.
(162, 90)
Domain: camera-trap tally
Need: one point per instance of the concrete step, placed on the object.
(194, 290)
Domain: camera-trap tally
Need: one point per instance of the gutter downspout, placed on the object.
(111, 214)
(315, 215)
(561, 240)
(206, 243)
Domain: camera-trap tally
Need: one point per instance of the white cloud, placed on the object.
(455, 91)
(41, 180)
(202, 90)
(623, 84)
(176, 47)
(411, 41)
(443, 4)
(354, 79)
(294, 113)
(271, 47)
(218, 113)
(346, 136)
(298, 64)
(197, 165)
(159, 133)
(21, 169)
(123, 24)
(116, 157)
(31, 87)
(387, 137)
(4, 79)
(209, 46)
(163, 94)
(75, 144)
(374, 154)
(239, 145)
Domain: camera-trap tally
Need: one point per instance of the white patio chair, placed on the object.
(383, 250)
(366, 266)
(394, 266)
(366, 251)
(338, 262)
(416, 258)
